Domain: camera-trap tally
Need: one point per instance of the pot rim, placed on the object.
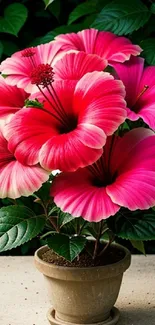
(124, 263)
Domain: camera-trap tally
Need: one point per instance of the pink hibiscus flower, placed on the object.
(122, 177)
(104, 44)
(12, 99)
(140, 89)
(18, 68)
(70, 129)
(17, 179)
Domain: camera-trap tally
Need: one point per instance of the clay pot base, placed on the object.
(112, 320)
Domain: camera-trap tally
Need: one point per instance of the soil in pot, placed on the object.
(110, 256)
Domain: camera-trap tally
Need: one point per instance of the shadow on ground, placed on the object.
(137, 316)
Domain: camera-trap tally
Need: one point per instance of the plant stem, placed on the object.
(53, 224)
(77, 228)
(47, 234)
(80, 230)
(97, 240)
(50, 219)
(106, 246)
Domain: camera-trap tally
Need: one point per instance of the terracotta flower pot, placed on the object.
(83, 295)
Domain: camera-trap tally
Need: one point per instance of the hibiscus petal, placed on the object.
(18, 180)
(131, 147)
(5, 155)
(66, 152)
(147, 112)
(73, 66)
(127, 147)
(70, 41)
(130, 73)
(12, 99)
(88, 38)
(27, 131)
(101, 101)
(134, 189)
(117, 49)
(133, 162)
(132, 115)
(75, 194)
(146, 102)
(91, 136)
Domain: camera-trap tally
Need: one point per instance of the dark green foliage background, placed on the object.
(33, 22)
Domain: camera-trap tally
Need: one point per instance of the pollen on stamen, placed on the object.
(27, 53)
(42, 75)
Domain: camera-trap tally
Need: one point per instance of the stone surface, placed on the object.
(24, 299)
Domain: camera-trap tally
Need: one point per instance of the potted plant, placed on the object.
(82, 104)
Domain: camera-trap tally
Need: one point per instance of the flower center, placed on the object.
(42, 75)
(102, 174)
(105, 181)
(70, 126)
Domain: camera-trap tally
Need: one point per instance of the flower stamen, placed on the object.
(42, 75)
(27, 53)
(142, 92)
(58, 102)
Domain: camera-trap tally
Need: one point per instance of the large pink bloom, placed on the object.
(12, 99)
(105, 44)
(17, 179)
(140, 89)
(71, 128)
(20, 65)
(123, 177)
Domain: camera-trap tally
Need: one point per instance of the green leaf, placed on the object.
(44, 192)
(152, 8)
(33, 103)
(88, 21)
(122, 17)
(83, 9)
(148, 47)
(18, 224)
(91, 229)
(1, 49)
(14, 18)
(64, 218)
(125, 127)
(134, 226)
(47, 3)
(139, 245)
(67, 29)
(44, 39)
(55, 8)
(9, 47)
(89, 9)
(65, 246)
